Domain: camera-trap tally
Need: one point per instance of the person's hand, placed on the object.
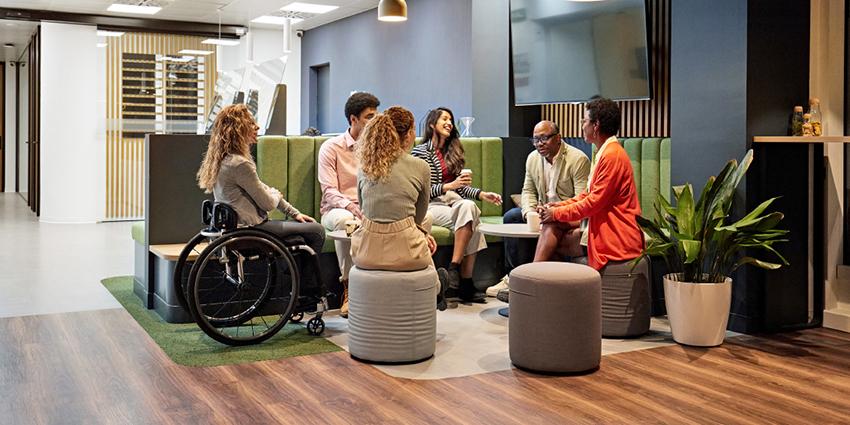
(432, 244)
(546, 215)
(354, 209)
(461, 181)
(493, 198)
(304, 218)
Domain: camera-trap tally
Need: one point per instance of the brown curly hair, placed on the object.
(380, 144)
(232, 133)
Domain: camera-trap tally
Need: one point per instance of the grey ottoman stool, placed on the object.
(625, 299)
(555, 323)
(392, 316)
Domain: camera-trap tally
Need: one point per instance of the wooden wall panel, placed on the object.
(641, 118)
(125, 155)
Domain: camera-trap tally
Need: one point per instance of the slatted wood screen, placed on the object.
(641, 118)
(128, 97)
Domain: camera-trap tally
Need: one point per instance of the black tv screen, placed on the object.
(569, 51)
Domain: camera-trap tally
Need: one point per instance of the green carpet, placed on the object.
(187, 345)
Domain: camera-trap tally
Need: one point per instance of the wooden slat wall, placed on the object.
(641, 118)
(125, 156)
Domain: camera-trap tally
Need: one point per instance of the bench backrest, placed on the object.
(651, 166)
(289, 163)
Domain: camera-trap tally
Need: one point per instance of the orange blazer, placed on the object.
(612, 204)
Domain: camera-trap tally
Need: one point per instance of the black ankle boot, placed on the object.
(468, 293)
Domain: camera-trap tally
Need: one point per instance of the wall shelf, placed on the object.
(801, 139)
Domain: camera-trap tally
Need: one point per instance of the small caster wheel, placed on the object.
(297, 317)
(315, 326)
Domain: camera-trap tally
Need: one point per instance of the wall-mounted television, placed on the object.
(569, 51)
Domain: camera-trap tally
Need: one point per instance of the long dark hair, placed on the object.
(452, 149)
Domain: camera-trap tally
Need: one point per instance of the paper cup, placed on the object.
(533, 220)
(466, 171)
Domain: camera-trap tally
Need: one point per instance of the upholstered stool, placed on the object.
(625, 299)
(555, 323)
(392, 316)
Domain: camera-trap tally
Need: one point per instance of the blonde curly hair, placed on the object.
(381, 142)
(232, 133)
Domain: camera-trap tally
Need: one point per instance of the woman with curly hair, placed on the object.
(452, 198)
(229, 173)
(393, 190)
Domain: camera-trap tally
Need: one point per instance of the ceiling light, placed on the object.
(195, 52)
(275, 20)
(392, 11)
(104, 33)
(9, 45)
(131, 8)
(101, 44)
(221, 42)
(308, 8)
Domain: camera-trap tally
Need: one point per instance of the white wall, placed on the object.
(10, 141)
(268, 45)
(72, 128)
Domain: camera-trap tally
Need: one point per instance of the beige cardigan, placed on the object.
(570, 165)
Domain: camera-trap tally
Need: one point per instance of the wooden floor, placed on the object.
(101, 367)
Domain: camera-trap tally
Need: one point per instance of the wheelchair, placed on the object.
(243, 284)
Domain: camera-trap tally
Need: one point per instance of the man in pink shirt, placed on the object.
(338, 179)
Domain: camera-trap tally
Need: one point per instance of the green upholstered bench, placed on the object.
(651, 166)
(289, 163)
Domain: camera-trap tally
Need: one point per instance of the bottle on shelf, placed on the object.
(797, 121)
(807, 126)
(814, 112)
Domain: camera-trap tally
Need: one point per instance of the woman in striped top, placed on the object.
(451, 203)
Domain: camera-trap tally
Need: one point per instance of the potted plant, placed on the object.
(702, 249)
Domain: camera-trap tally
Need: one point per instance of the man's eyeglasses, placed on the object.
(542, 139)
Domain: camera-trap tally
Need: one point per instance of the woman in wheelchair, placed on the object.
(246, 283)
(394, 191)
(228, 171)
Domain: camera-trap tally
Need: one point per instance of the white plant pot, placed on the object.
(698, 312)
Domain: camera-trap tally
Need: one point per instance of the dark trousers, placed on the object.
(314, 237)
(518, 251)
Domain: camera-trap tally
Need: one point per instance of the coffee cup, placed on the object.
(467, 171)
(533, 220)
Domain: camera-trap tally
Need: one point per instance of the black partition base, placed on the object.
(778, 300)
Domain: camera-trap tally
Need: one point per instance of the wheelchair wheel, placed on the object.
(243, 288)
(183, 268)
(315, 326)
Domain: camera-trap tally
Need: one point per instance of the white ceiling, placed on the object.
(17, 33)
(236, 12)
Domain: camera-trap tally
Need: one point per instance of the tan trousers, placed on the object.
(456, 215)
(397, 246)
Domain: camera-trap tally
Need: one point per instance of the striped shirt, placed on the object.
(426, 152)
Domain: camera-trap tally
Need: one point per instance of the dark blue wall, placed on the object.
(420, 64)
(708, 69)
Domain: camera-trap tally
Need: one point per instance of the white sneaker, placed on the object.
(493, 290)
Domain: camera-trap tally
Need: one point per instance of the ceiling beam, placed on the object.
(125, 23)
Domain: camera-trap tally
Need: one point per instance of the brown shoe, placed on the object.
(343, 309)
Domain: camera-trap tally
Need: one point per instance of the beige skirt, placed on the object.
(397, 246)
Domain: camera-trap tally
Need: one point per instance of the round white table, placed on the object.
(509, 230)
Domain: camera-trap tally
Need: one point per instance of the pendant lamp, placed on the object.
(392, 10)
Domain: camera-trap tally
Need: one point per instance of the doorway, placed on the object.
(320, 96)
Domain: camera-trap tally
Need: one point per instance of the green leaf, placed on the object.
(691, 249)
(685, 212)
(757, 263)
